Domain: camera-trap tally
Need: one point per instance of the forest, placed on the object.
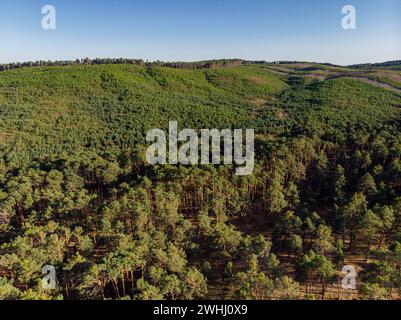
(77, 193)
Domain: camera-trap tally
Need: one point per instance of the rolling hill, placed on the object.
(77, 194)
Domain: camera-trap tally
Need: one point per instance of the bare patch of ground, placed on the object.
(5, 137)
(258, 102)
(257, 80)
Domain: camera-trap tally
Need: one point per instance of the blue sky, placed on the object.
(188, 30)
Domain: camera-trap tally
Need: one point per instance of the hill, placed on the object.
(396, 65)
(77, 194)
(55, 109)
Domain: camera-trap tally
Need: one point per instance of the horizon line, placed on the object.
(199, 61)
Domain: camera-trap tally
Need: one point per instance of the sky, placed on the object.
(192, 30)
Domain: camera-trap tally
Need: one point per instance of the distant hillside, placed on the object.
(55, 109)
(385, 65)
(206, 64)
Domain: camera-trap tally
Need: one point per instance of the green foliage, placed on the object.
(76, 192)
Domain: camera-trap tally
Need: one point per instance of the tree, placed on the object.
(353, 213)
(317, 265)
(373, 292)
(367, 185)
(371, 223)
(196, 286)
(8, 291)
(387, 218)
(288, 289)
(339, 184)
(275, 197)
(254, 284)
(324, 243)
(383, 273)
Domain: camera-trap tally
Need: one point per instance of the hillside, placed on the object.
(396, 65)
(69, 108)
(76, 192)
